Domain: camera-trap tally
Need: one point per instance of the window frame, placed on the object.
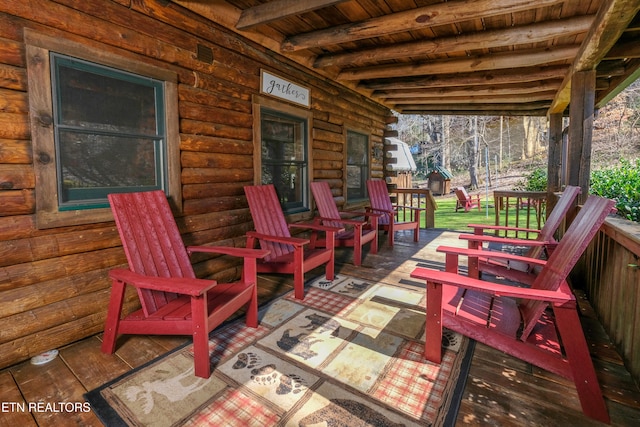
(356, 201)
(260, 102)
(38, 48)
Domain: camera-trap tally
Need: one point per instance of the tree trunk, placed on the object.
(473, 155)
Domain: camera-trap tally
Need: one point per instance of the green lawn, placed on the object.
(447, 217)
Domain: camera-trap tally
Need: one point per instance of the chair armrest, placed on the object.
(228, 250)
(475, 253)
(383, 211)
(371, 216)
(294, 241)
(503, 240)
(178, 285)
(354, 222)
(435, 276)
(348, 214)
(317, 227)
(480, 227)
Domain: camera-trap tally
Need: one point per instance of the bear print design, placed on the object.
(345, 412)
(268, 375)
(354, 288)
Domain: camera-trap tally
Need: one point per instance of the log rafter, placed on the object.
(414, 19)
(378, 48)
(534, 33)
(506, 60)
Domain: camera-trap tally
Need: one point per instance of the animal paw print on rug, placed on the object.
(290, 384)
(268, 375)
(354, 288)
(265, 375)
(450, 339)
(324, 284)
(247, 360)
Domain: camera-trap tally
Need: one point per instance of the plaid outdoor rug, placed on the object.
(350, 354)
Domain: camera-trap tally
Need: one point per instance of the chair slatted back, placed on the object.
(151, 240)
(571, 247)
(461, 194)
(555, 218)
(379, 197)
(325, 203)
(268, 218)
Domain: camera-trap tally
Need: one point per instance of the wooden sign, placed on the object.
(283, 89)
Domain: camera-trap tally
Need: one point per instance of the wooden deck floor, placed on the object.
(500, 390)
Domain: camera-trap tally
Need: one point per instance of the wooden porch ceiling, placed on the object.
(494, 57)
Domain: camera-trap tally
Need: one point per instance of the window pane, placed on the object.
(289, 182)
(284, 158)
(357, 165)
(282, 139)
(108, 103)
(357, 149)
(109, 132)
(98, 161)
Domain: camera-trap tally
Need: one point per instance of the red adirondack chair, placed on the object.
(544, 243)
(515, 320)
(289, 255)
(380, 202)
(173, 300)
(359, 233)
(465, 201)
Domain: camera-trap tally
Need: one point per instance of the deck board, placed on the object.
(501, 390)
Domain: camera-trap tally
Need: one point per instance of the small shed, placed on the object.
(440, 181)
(400, 162)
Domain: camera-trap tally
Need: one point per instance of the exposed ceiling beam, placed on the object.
(415, 19)
(519, 75)
(624, 49)
(474, 100)
(506, 60)
(456, 91)
(611, 20)
(279, 9)
(619, 83)
(524, 34)
(536, 109)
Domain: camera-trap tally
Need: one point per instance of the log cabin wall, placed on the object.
(53, 281)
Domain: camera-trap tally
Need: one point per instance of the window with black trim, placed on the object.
(109, 132)
(284, 158)
(357, 165)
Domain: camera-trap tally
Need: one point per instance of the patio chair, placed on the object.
(359, 231)
(465, 201)
(516, 320)
(390, 222)
(288, 255)
(543, 244)
(173, 300)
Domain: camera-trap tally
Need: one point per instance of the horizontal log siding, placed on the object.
(53, 283)
(610, 274)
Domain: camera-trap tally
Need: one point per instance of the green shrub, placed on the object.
(622, 184)
(535, 181)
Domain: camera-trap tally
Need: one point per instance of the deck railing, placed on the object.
(416, 197)
(521, 209)
(609, 273)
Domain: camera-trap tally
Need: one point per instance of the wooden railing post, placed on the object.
(417, 197)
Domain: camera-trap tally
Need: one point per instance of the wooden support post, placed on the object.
(554, 164)
(581, 112)
(554, 161)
